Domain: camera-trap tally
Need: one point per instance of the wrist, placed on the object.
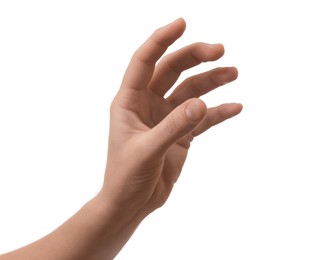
(107, 225)
(117, 216)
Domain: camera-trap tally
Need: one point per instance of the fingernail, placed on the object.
(217, 45)
(180, 18)
(193, 111)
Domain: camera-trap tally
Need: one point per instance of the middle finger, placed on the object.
(170, 67)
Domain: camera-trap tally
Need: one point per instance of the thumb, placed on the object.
(181, 121)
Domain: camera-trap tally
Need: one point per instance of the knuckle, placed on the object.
(172, 125)
(195, 87)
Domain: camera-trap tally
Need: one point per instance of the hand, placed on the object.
(148, 143)
(149, 134)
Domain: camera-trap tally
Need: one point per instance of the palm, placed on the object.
(141, 113)
(150, 111)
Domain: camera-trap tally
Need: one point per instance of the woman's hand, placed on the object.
(149, 134)
(148, 143)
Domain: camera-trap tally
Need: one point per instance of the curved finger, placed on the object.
(181, 121)
(201, 84)
(170, 67)
(217, 115)
(141, 66)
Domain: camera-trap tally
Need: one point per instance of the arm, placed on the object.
(96, 231)
(148, 143)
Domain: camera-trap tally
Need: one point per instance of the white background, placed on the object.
(245, 191)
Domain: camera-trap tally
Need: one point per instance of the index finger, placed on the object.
(142, 64)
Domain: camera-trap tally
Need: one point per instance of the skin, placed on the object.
(148, 144)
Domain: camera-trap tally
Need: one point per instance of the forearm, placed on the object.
(96, 231)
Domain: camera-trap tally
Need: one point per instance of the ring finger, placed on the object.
(201, 84)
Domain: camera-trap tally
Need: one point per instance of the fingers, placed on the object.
(141, 67)
(181, 121)
(170, 67)
(201, 84)
(217, 115)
